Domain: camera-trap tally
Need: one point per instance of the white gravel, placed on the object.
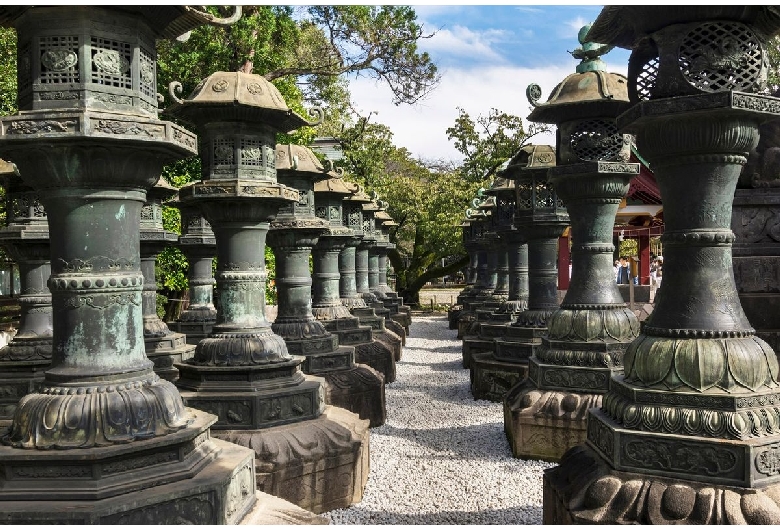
(442, 457)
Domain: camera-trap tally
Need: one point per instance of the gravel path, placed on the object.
(442, 457)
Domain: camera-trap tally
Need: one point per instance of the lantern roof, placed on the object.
(168, 22)
(299, 159)
(236, 96)
(625, 26)
(590, 92)
(161, 191)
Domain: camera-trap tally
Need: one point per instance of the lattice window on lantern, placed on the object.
(147, 74)
(24, 69)
(524, 197)
(251, 153)
(224, 151)
(544, 196)
(321, 212)
(59, 59)
(596, 140)
(354, 219)
(645, 79)
(719, 56)
(505, 210)
(367, 226)
(269, 156)
(111, 62)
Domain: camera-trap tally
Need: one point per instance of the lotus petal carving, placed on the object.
(605, 325)
(730, 364)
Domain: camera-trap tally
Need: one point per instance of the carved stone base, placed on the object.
(368, 351)
(270, 510)
(399, 330)
(453, 314)
(253, 396)
(221, 493)
(167, 350)
(194, 332)
(491, 379)
(185, 477)
(583, 489)
(360, 389)
(518, 344)
(391, 341)
(544, 424)
(17, 379)
(378, 356)
(319, 465)
(474, 344)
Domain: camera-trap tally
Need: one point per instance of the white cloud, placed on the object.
(421, 127)
(461, 42)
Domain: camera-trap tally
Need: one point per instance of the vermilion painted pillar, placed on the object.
(644, 259)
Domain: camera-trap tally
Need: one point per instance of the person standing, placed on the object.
(623, 275)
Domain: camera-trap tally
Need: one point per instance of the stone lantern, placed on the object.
(26, 238)
(239, 116)
(163, 346)
(378, 261)
(329, 195)
(199, 246)
(453, 313)
(350, 297)
(689, 434)
(512, 256)
(367, 269)
(296, 229)
(475, 298)
(587, 336)
(540, 217)
(105, 440)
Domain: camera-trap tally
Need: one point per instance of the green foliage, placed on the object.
(773, 55)
(377, 41)
(489, 141)
(270, 284)
(8, 88)
(628, 247)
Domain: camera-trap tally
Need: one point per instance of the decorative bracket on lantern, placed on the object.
(174, 88)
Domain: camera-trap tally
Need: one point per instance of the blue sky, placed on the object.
(486, 55)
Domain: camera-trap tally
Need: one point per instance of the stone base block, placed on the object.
(319, 465)
(512, 349)
(378, 356)
(465, 321)
(583, 489)
(222, 492)
(391, 340)
(544, 424)
(17, 379)
(167, 350)
(399, 330)
(494, 328)
(270, 510)
(194, 332)
(452, 317)
(473, 344)
(491, 378)
(360, 389)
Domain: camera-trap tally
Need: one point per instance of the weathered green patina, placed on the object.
(105, 440)
(695, 413)
(587, 336)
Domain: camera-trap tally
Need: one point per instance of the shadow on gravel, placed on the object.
(472, 442)
(526, 514)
